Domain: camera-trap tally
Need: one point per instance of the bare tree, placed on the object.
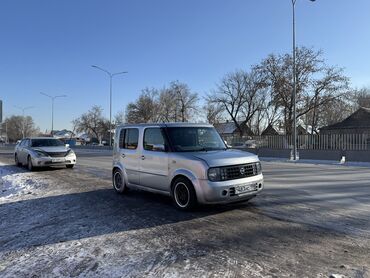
(145, 109)
(170, 104)
(362, 98)
(93, 123)
(119, 118)
(186, 101)
(239, 94)
(213, 112)
(254, 108)
(331, 113)
(317, 83)
(15, 126)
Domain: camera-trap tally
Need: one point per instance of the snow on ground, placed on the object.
(15, 181)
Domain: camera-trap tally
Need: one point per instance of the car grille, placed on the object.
(239, 171)
(57, 154)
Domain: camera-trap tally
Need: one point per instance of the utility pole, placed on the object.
(111, 75)
(294, 93)
(52, 98)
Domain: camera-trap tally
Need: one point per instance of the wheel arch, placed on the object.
(186, 174)
(119, 167)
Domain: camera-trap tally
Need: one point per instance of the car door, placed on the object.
(18, 150)
(129, 154)
(154, 160)
(24, 151)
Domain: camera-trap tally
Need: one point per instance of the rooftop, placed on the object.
(178, 124)
(359, 119)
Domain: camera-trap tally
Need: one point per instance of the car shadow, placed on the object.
(74, 216)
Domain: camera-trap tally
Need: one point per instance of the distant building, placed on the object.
(229, 129)
(357, 123)
(63, 133)
(301, 130)
(270, 131)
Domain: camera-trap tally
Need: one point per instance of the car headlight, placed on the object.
(70, 152)
(40, 153)
(214, 174)
(258, 168)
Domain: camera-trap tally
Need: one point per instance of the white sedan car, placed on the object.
(43, 151)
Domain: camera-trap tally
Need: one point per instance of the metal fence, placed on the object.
(350, 142)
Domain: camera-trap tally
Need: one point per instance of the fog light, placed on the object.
(260, 185)
(224, 192)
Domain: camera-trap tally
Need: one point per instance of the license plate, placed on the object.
(57, 160)
(240, 189)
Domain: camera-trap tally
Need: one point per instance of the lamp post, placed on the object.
(111, 75)
(23, 109)
(294, 93)
(52, 109)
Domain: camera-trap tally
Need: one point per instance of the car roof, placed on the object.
(40, 138)
(166, 125)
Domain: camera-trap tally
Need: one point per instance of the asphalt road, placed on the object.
(311, 221)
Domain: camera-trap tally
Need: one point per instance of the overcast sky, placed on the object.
(49, 46)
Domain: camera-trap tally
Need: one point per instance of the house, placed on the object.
(357, 123)
(301, 130)
(63, 133)
(270, 131)
(229, 129)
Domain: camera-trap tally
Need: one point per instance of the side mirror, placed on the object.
(67, 145)
(159, 148)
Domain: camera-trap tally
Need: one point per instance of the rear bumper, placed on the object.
(53, 161)
(224, 192)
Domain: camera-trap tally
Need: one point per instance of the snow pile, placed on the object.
(15, 181)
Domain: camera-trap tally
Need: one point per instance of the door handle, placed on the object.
(142, 157)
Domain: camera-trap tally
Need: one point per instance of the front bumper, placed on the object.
(224, 192)
(53, 161)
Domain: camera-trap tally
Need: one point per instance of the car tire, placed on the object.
(183, 194)
(17, 163)
(70, 166)
(29, 164)
(118, 181)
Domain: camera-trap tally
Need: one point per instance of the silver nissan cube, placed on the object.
(189, 162)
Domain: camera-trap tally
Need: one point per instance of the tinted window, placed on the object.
(131, 140)
(152, 138)
(192, 139)
(46, 143)
(122, 138)
(25, 143)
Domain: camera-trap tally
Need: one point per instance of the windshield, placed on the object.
(46, 143)
(192, 139)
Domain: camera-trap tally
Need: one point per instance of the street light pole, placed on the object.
(294, 93)
(23, 109)
(111, 75)
(52, 109)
